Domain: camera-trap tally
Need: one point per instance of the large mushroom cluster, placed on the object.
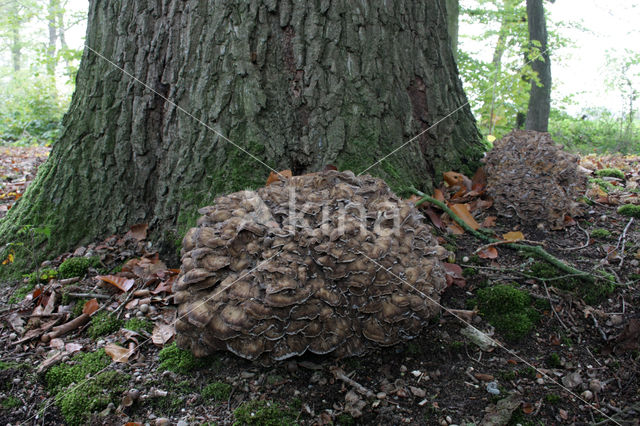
(326, 262)
(531, 176)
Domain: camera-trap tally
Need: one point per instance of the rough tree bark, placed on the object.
(453, 12)
(540, 95)
(298, 84)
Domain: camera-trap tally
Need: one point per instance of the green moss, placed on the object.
(469, 272)
(631, 210)
(591, 293)
(139, 324)
(21, 293)
(345, 419)
(264, 413)
(600, 233)
(45, 276)
(528, 372)
(508, 375)
(553, 360)
(603, 184)
(218, 391)
(615, 173)
(60, 376)
(508, 309)
(91, 396)
(178, 360)
(552, 398)
(103, 323)
(10, 402)
(77, 266)
(77, 308)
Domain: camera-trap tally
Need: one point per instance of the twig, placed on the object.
(546, 289)
(339, 374)
(534, 250)
(586, 244)
(622, 239)
(597, 326)
(58, 331)
(89, 296)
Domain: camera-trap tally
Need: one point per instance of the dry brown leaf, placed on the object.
(489, 222)
(90, 307)
(462, 211)
(121, 283)
(117, 352)
(455, 229)
(275, 177)
(435, 217)
(488, 253)
(438, 195)
(162, 333)
(513, 236)
(137, 232)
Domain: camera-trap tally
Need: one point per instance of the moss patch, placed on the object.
(630, 210)
(60, 376)
(103, 323)
(77, 266)
(178, 360)
(267, 413)
(615, 173)
(21, 293)
(217, 391)
(590, 292)
(139, 324)
(508, 309)
(600, 233)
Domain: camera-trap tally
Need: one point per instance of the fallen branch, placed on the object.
(339, 374)
(533, 250)
(60, 330)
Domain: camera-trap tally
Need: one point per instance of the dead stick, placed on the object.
(339, 374)
(60, 330)
(535, 250)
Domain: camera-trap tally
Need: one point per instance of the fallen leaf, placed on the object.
(435, 217)
(513, 236)
(489, 222)
(488, 253)
(438, 195)
(275, 177)
(137, 232)
(455, 229)
(162, 333)
(462, 211)
(90, 307)
(117, 352)
(165, 286)
(454, 274)
(121, 283)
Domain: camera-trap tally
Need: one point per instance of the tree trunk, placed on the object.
(453, 12)
(52, 23)
(299, 85)
(16, 48)
(540, 95)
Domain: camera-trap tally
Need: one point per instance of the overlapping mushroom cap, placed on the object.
(301, 265)
(527, 173)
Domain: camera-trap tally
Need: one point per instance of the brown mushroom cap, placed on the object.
(326, 262)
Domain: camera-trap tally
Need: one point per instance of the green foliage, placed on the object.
(591, 293)
(21, 293)
(10, 402)
(60, 376)
(603, 184)
(600, 233)
(264, 413)
(91, 396)
(345, 419)
(42, 277)
(103, 323)
(77, 266)
(77, 308)
(178, 360)
(552, 398)
(218, 391)
(139, 324)
(631, 210)
(615, 173)
(553, 360)
(508, 309)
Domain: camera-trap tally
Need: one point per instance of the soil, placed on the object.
(580, 365)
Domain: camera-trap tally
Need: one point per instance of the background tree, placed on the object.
(453, 12)
(540, 96)
(298, 85)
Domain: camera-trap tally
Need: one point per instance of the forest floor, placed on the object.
(579, 365)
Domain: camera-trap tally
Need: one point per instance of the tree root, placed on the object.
(536, 251)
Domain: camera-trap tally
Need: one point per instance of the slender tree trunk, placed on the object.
(453, 12)
(16, 48)
(540, 95)
(52, 23)
(61, 35)
(298, 85)
(497, 60)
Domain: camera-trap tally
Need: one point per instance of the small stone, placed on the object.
(540, 380)
(603, 218)
(492, 388)
(162, 421)
(572, 380)
(449, 419)
(465, 259)
(595, 385)
(416, 373)
(587, 395)
(144, 308)
(420, 393)
(247, 374)
(381, 395)
(182, 423)
(616, 319)
(403, 369)
(443, 422)
(13, 336)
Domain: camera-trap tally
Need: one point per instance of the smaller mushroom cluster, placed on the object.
(527, 173)
(326, 262)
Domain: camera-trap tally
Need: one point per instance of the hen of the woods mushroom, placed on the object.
(299, 265)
